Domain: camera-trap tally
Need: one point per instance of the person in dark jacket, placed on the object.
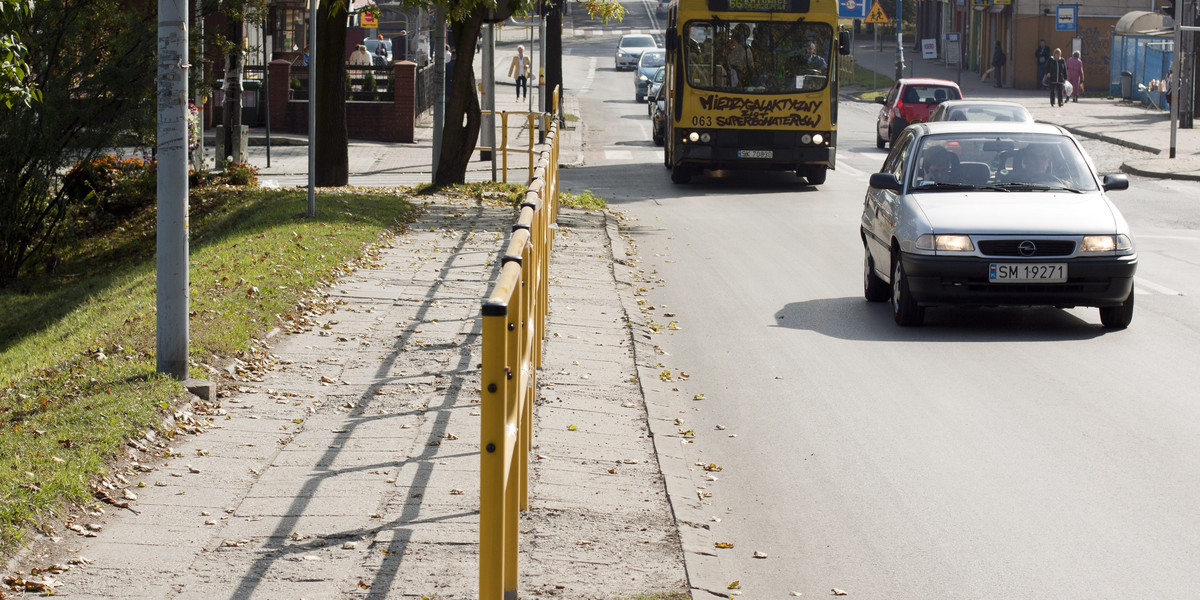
(1042, 54)
(998, 62)
(1056, 75)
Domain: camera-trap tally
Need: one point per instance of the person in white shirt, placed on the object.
(520, 67)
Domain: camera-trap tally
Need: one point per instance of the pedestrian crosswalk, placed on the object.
(604, 32)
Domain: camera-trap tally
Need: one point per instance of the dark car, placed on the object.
(656, 82)
(658, 116)
(650, 62)
(981, 214)
(910, 101)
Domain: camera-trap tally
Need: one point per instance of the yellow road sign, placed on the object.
(876, 16)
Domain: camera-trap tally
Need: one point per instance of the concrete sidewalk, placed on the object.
(1109, 119)
(341, 460)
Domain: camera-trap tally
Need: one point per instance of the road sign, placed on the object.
(876, 16)
(367, 20)
(852, 9)
(1066, 18)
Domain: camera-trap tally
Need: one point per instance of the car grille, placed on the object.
(1013, 247)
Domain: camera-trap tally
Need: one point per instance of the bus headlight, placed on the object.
(704, 137)
(693, 137)
(818, 139)
(806, 139)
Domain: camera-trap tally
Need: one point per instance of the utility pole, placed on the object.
(437, 41)
(171, 239)
(899, 39)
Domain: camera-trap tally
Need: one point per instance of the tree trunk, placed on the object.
(329, 92)
(233, 96)
(461, 129)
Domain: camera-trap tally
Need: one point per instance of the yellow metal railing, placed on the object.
(531, 125)
(514, 326)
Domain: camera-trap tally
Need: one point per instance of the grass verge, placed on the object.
(77, 349)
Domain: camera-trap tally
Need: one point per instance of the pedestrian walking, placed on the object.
(1042, 54)
(1075, 75)
(519, 68)
(998, 62)
(1056, 76)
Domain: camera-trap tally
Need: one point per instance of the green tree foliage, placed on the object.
(15, 84)
(93, 61)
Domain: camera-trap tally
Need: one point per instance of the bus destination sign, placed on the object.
(758, 5)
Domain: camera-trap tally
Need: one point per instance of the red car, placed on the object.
(910, 101)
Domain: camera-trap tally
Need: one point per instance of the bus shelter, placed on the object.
(1142, 47)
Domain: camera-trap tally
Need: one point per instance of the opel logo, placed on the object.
(1027, 248)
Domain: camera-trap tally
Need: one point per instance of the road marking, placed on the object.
(1169, 237)
(1147, 287)
(587, 83)
(618, 155)
(849, 170)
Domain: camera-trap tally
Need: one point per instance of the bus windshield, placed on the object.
(766, 57)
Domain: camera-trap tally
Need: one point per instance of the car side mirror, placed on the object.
(1113, 183)
(885, 181)
(844, 42)
(880, 99)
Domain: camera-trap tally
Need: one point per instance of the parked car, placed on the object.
(910, 101)
(655, 83)
(380, 60)
(651, 61)
(980, 110)
(630, 49)
(658, 116)
(995, 214)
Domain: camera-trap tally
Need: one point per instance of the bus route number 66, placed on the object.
(702, 121)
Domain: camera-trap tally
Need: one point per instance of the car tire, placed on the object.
(879, 141)
(874, 288)
(1118, 317)
(658, 140)
(905, 310)
(815, 175)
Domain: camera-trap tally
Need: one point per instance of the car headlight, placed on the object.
(643, 78)
(1106, 243)
(945, 243)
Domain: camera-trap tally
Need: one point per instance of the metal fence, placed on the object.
(514, 325)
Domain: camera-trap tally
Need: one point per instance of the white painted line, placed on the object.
(847, 169)
(1143, 286)
(618, 155)
(587, 83)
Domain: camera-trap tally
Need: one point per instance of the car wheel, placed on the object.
(658, 139)
(874, 288)
(1118, 317)
(904, 308)
(815, 175)
(879, 141)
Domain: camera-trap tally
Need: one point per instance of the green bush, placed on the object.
(103, 190)
(369, 83)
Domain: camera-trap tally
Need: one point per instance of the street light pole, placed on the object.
(171, 239)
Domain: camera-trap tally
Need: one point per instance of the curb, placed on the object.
(701, 565)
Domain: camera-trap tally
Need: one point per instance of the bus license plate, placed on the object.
(1027, 273)
(756, 153)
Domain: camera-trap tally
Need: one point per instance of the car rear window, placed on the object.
(653, 59)
(638, 42)
(929, 94)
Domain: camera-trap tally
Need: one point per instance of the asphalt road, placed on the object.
(1014, 453)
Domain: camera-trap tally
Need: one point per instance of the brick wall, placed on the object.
(385, 121)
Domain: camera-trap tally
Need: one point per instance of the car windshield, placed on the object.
(758, 57)
(638, 42)
(1000, 162)
(653, 59)
(659, 74)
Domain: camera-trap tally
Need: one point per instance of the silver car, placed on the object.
(630, 49)
(995, 214)
(980, 110)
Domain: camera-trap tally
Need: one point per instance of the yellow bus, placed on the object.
(752, 84)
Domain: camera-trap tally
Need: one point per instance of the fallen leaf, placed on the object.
(735, 585)
(698, 397)
(723, 545)
(758, 554)
(572, 427)
(837, 592)
(713, 467)
(456, 492)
